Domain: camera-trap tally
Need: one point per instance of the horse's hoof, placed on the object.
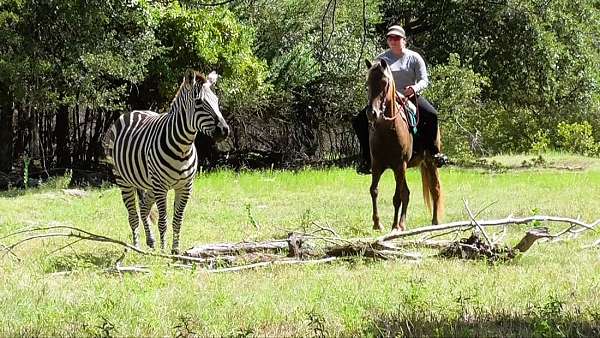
(398, 228)
(377, 227)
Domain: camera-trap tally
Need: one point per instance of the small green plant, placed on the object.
(549, 317)
(306, 220)
(317, 323)
(243, 333)
(578, 138)
(541, 143)
(105, 330)
(253, 221)
(26, 162)
(184, 328)
(60, 182)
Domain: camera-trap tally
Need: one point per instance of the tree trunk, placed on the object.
(63, 154)
(6, 135)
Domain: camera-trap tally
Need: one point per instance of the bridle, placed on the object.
(388, 94)
(389, 90)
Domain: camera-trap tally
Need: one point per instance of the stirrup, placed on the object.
(440, 160)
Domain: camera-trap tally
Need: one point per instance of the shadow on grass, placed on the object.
(532, 324)
(100, 259)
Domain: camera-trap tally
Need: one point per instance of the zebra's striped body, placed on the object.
(152, 153)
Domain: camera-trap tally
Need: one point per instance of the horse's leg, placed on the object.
(146, 202)
(181, 197)
(375, 176)
(160, 194)
(435, 189)
(128, 195)
(401, 197)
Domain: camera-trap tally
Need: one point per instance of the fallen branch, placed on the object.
(308, 248)
(479, 227)
(211, 250)
(86, 235)
(466, 225)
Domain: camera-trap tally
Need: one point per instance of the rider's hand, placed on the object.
(409, 91)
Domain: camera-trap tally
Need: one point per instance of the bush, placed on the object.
(455, 91)
(578, 138)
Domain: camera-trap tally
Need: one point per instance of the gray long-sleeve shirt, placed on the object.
(408, 70)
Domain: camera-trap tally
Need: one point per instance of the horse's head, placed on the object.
(205, 113)
(381, 91)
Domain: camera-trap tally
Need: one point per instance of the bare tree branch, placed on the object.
(479, 227)
(465, 225)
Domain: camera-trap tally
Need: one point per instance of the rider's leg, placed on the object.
(429, 118)
(361, 128)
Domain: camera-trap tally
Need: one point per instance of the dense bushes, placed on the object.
(507, 76)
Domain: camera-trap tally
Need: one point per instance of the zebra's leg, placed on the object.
(146, 202)
(160, 196)
(128, 194)
(181, 198)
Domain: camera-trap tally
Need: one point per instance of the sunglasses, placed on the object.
(394, 37)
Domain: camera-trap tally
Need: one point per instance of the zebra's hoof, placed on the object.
(150, 244)
(175, 252)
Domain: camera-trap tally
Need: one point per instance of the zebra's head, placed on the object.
(206, 115)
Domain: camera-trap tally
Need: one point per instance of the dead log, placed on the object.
(530, 238)
(220, 249)
(476, 248)
(304, 248)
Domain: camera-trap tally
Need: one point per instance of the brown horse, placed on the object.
(392, 147)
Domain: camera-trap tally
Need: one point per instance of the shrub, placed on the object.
(577, 138)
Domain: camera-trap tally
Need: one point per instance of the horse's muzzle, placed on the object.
(372, 114)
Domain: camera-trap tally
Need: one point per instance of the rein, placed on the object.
(391, 91)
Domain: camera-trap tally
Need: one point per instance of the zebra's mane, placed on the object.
(199, 77)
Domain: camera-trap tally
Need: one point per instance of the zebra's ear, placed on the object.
(190, 77)
(212, 78)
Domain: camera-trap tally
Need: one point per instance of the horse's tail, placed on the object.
(432, 189)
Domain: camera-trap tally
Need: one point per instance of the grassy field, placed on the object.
(552, 290)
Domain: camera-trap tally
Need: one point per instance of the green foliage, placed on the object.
(541, 142)
(540, 58)
(577, 138)
(207, 40)
(456, 92)
(503, 74)
(314, 48)
(26, 162)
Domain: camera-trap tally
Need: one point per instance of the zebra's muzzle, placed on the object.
(221, 132)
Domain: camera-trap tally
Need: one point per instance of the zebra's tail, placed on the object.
(108, 145)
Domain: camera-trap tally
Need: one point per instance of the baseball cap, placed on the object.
(396, 30)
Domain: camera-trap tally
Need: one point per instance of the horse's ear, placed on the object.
(383, 63)
(368, 63)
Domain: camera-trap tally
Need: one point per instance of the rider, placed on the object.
(410, 75)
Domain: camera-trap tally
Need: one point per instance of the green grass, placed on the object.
(549, 291)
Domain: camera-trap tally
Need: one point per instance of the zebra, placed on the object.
(151, 153)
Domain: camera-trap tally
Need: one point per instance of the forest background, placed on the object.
(506, 76)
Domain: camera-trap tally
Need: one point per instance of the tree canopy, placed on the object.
(505, 75)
